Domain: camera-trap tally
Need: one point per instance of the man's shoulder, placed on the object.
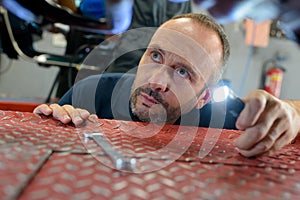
(105, 78)
(94, 93)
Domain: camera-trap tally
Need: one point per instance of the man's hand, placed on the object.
(65, 113)
(268, 124)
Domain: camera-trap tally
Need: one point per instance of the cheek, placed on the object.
(182, 101)
(176, 98)
(184, 96)
(183, 89)
(171, 98)
(141, 78)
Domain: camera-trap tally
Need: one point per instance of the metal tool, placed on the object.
(120, 162)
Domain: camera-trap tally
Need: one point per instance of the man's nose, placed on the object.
(159, 80)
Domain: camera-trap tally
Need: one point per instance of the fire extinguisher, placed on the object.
(273, 79)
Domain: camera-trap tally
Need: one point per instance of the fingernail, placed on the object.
(237, 149)
(85, 114)
(77, 120)
(238, 126)
(48, 110)
(66, 117)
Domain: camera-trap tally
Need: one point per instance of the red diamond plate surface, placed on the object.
(29, 129)
(18, 164)
(132, 139)
(82, 172)
(70, 176)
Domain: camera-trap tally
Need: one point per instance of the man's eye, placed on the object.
(156, 56)
(182, 72)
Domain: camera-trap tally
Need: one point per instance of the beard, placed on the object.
(157, 113)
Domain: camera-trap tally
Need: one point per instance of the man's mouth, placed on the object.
(147, 100)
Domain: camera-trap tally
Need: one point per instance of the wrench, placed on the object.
(120, 162)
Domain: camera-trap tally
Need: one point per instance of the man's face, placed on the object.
(173, 71)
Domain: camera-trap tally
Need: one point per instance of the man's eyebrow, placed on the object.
(156, 46)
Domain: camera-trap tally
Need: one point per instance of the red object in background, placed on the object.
(18, 106)
(273, 81)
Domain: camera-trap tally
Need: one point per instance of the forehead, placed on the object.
(200, 46)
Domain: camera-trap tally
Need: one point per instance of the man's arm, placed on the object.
(268, 123)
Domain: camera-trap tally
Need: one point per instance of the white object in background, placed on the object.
(59, 40)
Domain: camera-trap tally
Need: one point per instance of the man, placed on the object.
(145, 13)
(185, 56)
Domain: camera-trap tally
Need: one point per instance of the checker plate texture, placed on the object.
(70, 176)
(18, 165)
(29, 129)
(72, 168)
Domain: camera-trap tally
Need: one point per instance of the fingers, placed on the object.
(56, 110)
(267, 128)
(265, 125)
(65, 114)
(76, 115)
(266, 143)
(285, 139)
(269, 145)
(84, 114)
(43, 109)
(255, 104)
(93, 118)
(60, 113)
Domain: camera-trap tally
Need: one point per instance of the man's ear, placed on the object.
(203, 99)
